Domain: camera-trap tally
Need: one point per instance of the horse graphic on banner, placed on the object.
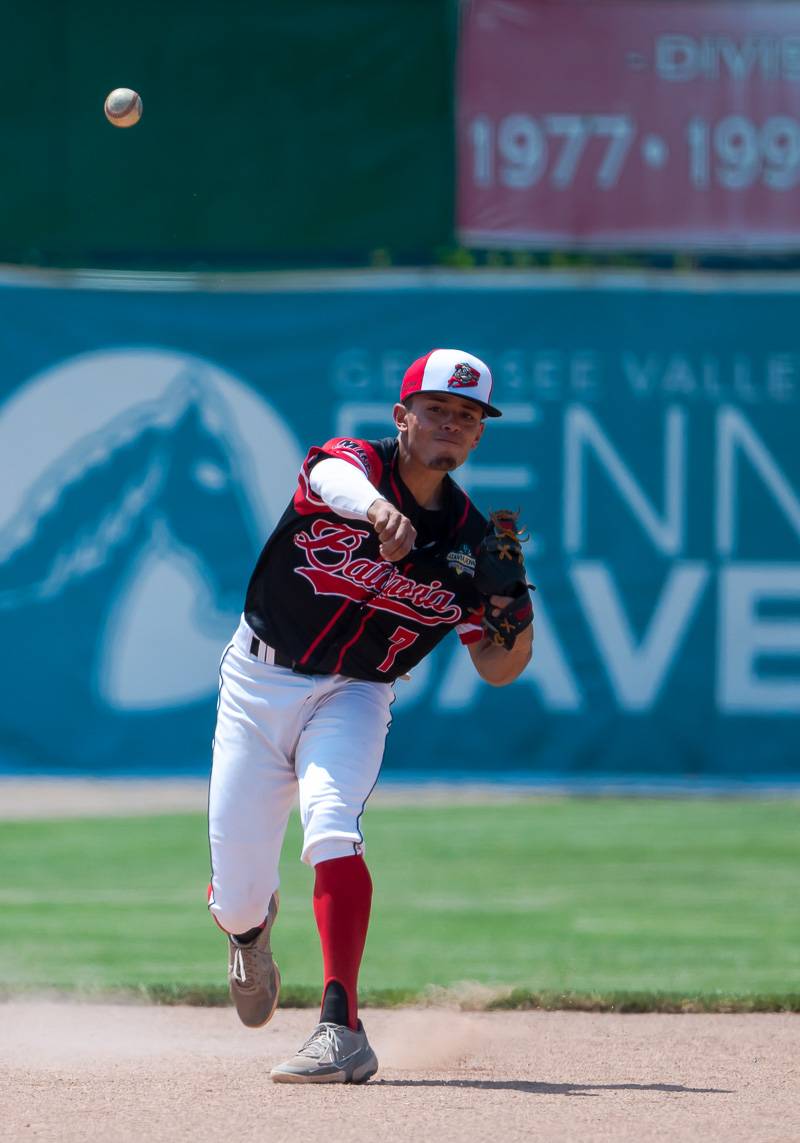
(124, 562)
(163, 464)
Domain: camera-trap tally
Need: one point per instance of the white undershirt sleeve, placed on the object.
(343, 487)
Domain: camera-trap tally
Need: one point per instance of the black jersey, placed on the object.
(322, 595)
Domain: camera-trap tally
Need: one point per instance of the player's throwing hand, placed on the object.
(394, 530)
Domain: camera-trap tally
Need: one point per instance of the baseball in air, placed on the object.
(123, 107)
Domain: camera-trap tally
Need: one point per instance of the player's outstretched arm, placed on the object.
(493, 662)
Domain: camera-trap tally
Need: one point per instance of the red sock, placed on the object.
(342, 899)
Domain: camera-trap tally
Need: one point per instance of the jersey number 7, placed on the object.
(400, 639)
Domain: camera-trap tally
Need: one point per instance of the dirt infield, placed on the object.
(113, 1073)
(84, 1072)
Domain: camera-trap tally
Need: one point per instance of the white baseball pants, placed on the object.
(279, 733)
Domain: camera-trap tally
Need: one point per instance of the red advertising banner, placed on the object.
(629, 124)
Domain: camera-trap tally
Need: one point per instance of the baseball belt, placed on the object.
(272, 656)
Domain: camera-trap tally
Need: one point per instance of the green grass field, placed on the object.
(624, 902)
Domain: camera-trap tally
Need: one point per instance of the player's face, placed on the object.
(439, 430)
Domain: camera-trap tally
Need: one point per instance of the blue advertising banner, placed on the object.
(151, 439)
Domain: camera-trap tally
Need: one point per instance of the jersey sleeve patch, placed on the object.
(357, 452)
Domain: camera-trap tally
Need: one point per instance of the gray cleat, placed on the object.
(333, 1053)
(253, 975)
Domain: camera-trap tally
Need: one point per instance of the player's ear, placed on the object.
(400, 414)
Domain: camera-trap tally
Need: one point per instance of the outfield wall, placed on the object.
(274, 134)
(151, 430)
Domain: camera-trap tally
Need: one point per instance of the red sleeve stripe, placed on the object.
(305, 500)
(316, 453)
(357, 452)
(469, 625)
(470, 635)
(308, 491)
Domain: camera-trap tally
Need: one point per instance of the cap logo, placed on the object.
(464, 377)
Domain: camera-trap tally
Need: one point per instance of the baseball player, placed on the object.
(373, 562)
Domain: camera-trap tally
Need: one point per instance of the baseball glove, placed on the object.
(500, 570)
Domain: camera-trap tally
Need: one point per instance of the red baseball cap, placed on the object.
(451, 371)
